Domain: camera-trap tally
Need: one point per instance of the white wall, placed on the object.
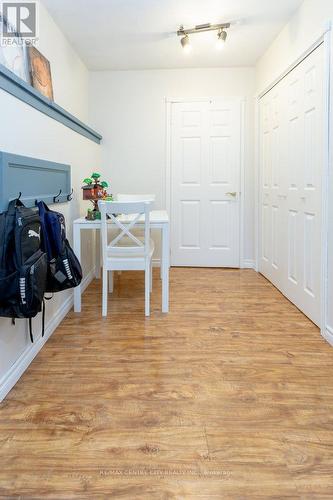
(26, 131)
(304, 28)
(69, 74)
(128, 108)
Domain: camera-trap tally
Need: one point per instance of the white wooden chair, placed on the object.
(126, 252)
(135, 197)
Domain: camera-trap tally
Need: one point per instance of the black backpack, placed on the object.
(23, 263)
(64, 270)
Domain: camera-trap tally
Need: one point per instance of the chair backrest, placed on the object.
(125, 215)
(135, 197)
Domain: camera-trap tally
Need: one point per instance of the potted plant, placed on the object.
(94, 189)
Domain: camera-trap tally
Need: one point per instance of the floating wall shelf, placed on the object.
(26, 93)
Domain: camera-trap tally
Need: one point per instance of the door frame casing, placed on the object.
(167, 181)
(325, 40)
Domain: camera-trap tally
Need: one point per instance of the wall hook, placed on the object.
(55, 200)
(70, 195)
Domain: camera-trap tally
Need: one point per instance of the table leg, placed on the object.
(77, 251)
(165, 267)
(98, 254)
(110, 281)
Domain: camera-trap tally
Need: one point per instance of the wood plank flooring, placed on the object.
(228, 396)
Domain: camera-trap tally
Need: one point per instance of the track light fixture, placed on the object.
(221, 38)
(200, 28)
(185, 41)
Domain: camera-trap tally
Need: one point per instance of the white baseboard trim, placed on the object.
(248, 264)
(16, 371)
(328, 335)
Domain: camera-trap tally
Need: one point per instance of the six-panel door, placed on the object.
(205, 183)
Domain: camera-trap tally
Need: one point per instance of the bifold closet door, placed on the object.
(291, 144)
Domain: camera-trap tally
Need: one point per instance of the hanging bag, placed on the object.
(64, 269)
(23, 263)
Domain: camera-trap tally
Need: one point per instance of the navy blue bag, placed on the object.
(64, 269)
(53, 228)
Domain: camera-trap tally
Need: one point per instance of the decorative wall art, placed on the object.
(14, 57)
(40, 72)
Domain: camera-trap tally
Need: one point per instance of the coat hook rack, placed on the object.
(27, 179)
(55, 198)
(70, 195)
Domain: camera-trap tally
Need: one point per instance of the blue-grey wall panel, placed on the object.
(26, 93)
(36, 179)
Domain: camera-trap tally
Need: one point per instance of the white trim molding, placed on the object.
(19, 367)
(248, 264)
(325, 187)
(326, 286)
(327, 334)
(298, 61)
(243, 104)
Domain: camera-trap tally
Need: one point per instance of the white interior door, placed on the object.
(292, 145)
(205, 183)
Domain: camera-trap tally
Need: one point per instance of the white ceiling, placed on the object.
(140, 34)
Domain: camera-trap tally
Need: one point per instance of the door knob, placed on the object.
(233, 193)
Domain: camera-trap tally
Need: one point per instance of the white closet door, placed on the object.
(205, 180)
(292, 132)
(272, 263)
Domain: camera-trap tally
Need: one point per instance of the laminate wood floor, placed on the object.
(230, 395)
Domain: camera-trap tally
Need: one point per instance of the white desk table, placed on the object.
(158, 220)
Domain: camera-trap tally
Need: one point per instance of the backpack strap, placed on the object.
(42, 207)
(43, 324)
(12, 205)
(43, 318)
(7, 234)
(30, 331)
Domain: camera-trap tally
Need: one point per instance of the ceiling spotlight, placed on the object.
(201, 28)
(221, 38)
(185, 41)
